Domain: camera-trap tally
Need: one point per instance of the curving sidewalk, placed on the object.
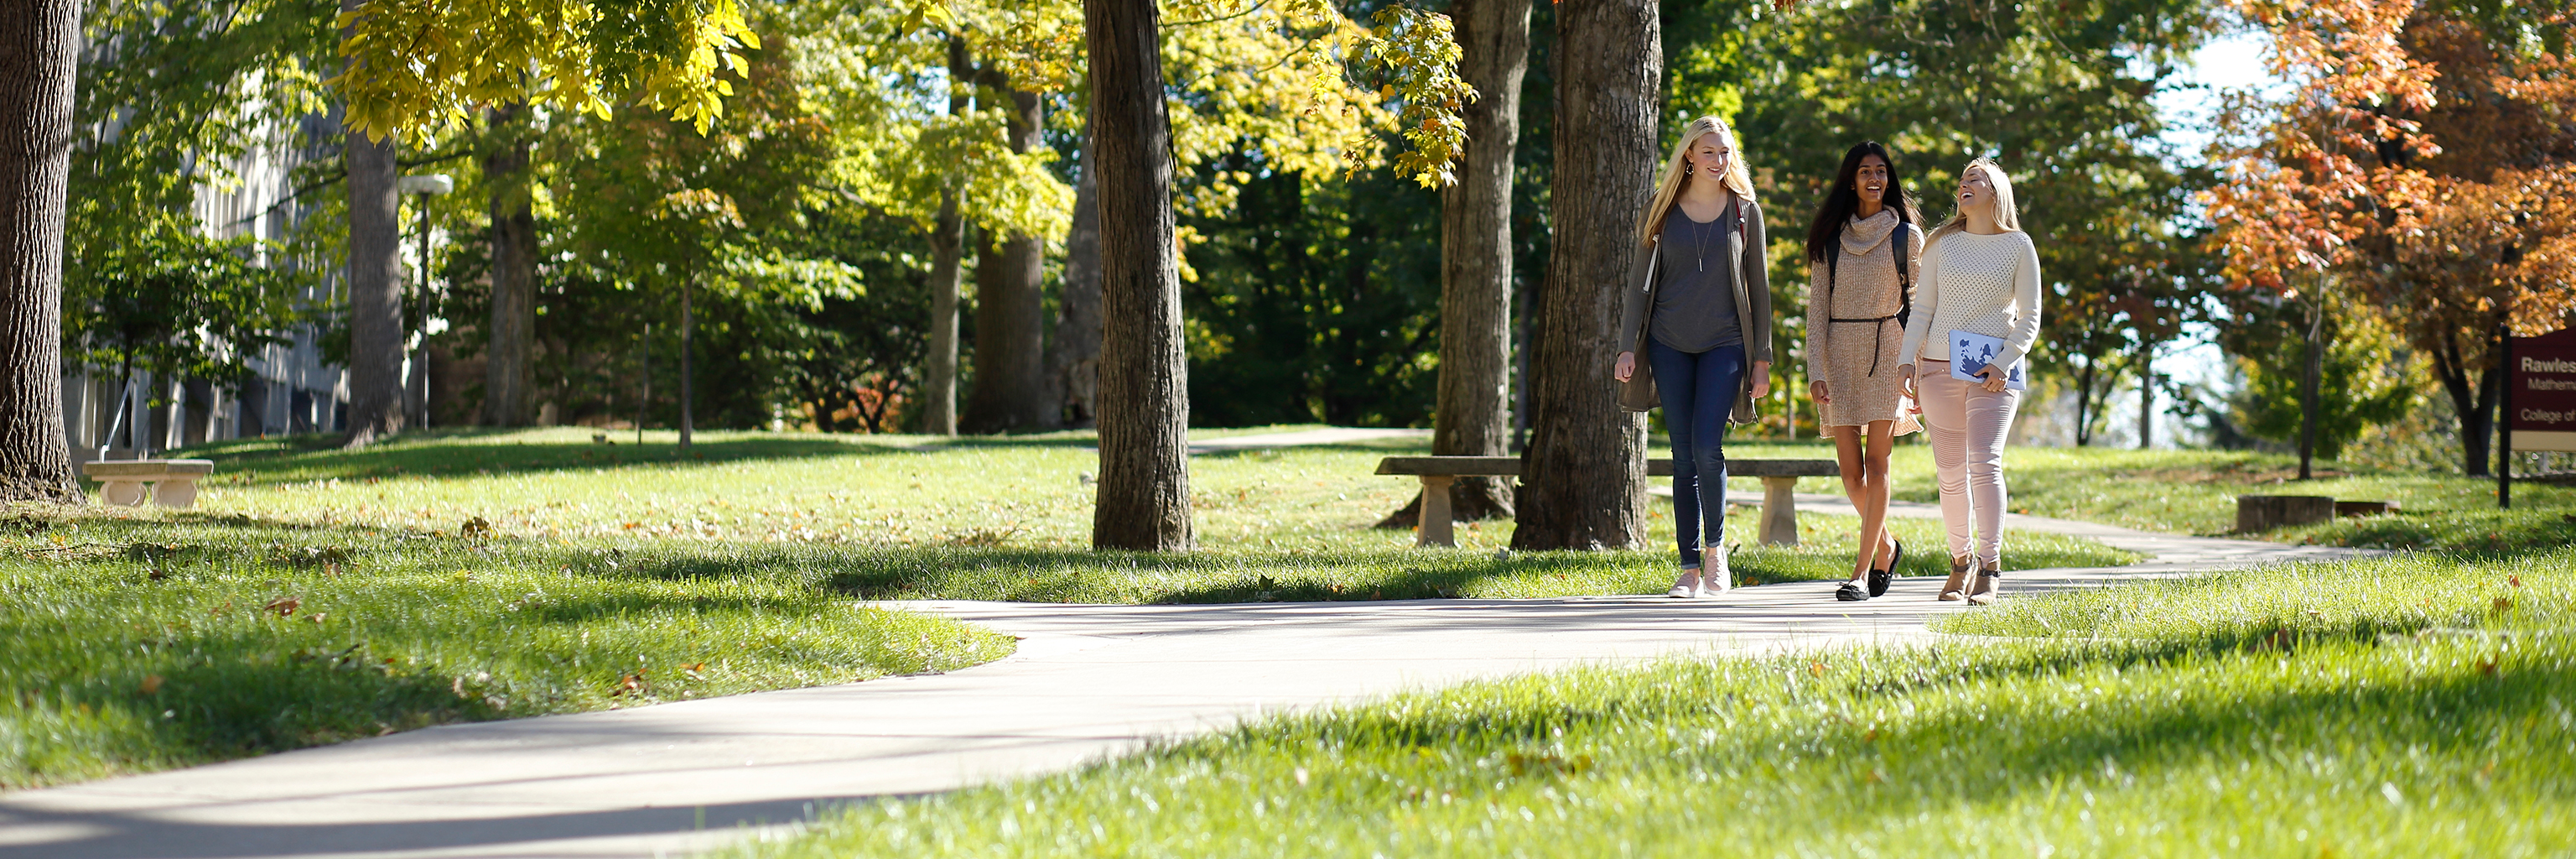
(1088, 682)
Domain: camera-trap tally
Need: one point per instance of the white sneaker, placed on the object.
(1687, 586)
(1715, 578)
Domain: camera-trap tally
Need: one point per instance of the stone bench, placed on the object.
(171, 482)
(1779, 484)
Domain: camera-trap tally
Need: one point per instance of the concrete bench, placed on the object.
(172, 482)
(1779, 484)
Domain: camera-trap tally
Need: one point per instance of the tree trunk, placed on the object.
(1474, 415)
(2473, 399)
(1144, 490)
(688, 385)
(1073, 356)
(939, 394)
(2146, 393)
(2084, 403)
(2308, 404)
(508, 373)
(40, 45)
(1010, 312)
(1583, 478)
(375, 292)
(947, 247)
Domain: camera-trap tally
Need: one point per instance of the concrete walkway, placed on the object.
(1088, 682)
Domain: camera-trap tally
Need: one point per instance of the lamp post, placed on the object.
(425, 186)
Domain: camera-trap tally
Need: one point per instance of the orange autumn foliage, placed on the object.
(2307, 182)
(2423, 157)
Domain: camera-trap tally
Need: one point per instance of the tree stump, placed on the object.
(2265, 512)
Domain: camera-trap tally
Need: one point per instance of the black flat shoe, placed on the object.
(1880, 579)
(1850, 592)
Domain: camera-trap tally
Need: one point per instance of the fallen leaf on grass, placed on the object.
(631, 684)
(151, 684)
(285, 606)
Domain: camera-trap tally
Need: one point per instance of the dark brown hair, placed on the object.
(1844, 200)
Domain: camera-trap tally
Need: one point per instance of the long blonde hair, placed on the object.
(1669, 188)
(2006, 215)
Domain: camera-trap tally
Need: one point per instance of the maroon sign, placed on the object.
(2542, 383)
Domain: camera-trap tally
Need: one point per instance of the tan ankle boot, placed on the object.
(1956, 588)
(1989, 578)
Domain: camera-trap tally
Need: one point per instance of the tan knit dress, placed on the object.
(1857, 359)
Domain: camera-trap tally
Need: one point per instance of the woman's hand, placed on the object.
(1761, 379)
(1626, 367)
(1994, 378)
(1905, 382)
(1816, 391)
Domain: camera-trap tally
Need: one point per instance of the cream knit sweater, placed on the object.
(1985, 284)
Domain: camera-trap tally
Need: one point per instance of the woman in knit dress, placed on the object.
(1980, 276)
(1853, 334)
(1699, 305)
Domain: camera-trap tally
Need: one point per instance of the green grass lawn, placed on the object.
(316, 595)
(994, 518)
(136, 645)
(2411, 706)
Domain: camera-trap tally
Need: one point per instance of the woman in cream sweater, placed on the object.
(1980, 277)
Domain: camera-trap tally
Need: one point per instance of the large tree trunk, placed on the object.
(1144, 490)
(508, 373)
(1073, 355)
(375, 292)
(1474, 414)
(1010, 312)
(939, 391)
(39, 54)
(1584, 476)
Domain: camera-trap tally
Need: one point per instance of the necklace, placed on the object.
(1700, 232)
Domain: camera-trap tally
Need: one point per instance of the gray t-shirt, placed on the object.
(1695, 295)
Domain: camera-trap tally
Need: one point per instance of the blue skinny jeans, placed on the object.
(1698, 391)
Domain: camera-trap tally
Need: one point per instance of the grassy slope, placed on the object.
(2416, 706)
(140, 645)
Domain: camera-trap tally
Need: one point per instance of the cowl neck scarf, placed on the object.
(1863, 235)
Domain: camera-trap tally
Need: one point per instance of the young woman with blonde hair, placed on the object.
(1699, 306)
(1863, 247)
(1980, 284)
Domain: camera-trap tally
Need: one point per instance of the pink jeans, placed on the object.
(1967, 425)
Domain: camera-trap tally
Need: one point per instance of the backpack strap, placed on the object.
(1904, 278)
